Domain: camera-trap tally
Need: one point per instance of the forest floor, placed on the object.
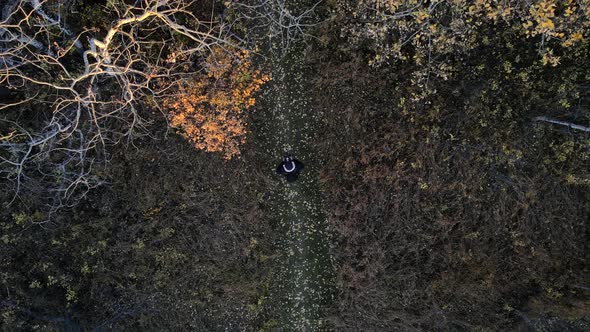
(300, 285)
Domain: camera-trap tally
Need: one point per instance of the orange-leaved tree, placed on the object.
(209, 108)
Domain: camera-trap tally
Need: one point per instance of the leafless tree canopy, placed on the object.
(278, 21)
(89, 88)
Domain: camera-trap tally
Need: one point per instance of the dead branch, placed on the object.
(562, 123)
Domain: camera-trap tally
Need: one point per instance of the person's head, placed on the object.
(287, 158)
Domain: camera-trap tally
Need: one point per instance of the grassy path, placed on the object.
(301, 285)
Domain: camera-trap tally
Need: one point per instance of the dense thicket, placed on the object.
(174, 243)
(453, 208)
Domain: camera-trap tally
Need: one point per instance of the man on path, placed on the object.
(290, 167)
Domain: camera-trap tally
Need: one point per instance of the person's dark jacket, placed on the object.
(290, 169)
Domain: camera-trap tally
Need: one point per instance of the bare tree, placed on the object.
(276, 20)
(87, 92)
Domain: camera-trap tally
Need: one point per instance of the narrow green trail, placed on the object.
(301, 286)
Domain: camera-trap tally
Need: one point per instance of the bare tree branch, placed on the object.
(92, 100)
(276, 19)
(562, 123)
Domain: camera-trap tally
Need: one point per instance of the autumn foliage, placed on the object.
(209, 108)
(433, 33)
